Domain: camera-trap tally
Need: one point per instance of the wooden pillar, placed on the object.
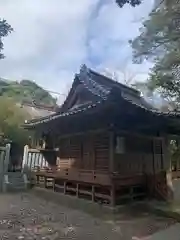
(111, 152)
(178, 161)
(30, 156)
(45, 182)
(167, 166)
(93, 193)
(152, 171)
(166, 154)
(81, 153)
(77, 190)
(65, 187)
(111, 166)
(37, 179)
(93, 152)
(113, 196)
(54, 184)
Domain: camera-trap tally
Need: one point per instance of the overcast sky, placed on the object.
(52, 38)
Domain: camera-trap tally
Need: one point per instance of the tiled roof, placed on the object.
(126, 92)
(102, 87)
(35, 112)
(63, 114)
(34, 104)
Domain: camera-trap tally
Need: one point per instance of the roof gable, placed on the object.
(79, 95)
(90, 87)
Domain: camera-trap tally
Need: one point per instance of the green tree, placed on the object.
(11, 119)
(165, 77)
(133, 3)
(5, 29)
(159, 41)
(159, 34)
(26, 90)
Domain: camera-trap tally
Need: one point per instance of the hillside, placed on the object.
(25, 90)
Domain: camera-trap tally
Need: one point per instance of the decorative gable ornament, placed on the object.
(83, 71)
(91, 84)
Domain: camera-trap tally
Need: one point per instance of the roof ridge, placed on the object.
(133, 90)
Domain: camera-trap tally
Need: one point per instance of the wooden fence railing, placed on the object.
(33, 158)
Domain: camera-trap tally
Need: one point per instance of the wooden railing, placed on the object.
(95, 177)
(33, 158)
(103, 178)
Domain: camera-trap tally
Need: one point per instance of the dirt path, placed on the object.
(24, 216)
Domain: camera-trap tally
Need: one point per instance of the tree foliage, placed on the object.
(5, 29)
(11, 119)
(159, 41)
(25, 90)
(133, 3)
(159, 34)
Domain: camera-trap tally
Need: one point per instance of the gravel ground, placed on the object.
(25, 216)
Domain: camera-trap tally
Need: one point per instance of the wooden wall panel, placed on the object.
(87, 161)
(138, 156)
(75, 152)
(136, 144)
(141, 155)
(101, 146)
(158, 155)
(70, 152)
(92, 152)
(89, 152)
(148, 163)
(129, 163)
(63, 155)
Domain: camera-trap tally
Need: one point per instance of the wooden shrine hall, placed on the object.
(105, 143)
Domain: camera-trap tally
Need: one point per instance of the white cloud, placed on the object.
(115, 27)
(52, 38)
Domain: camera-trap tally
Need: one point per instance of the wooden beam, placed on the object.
(93, 153)
(121, 132)
(84, 133)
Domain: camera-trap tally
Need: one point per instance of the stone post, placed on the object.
(2, 155)
(7, 157)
